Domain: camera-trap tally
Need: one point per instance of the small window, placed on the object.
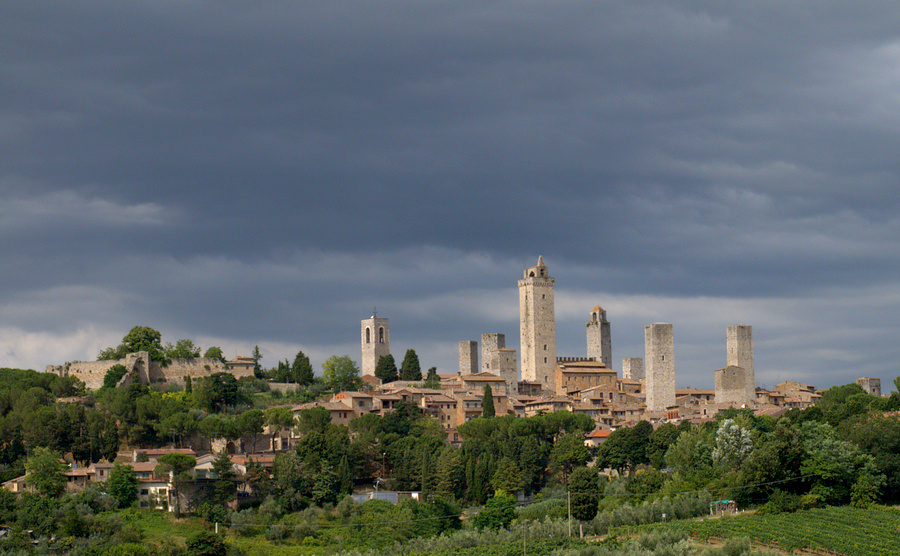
(381, 335)
(368, 335)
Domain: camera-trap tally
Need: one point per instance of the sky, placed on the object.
(268, 173)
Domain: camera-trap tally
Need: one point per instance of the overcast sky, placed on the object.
(266, 173)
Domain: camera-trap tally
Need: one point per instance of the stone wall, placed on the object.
(489, 344)
(633, 368)
(503, 361)
(659, 358)
(468, 357)
(146, 370)
(731, 386)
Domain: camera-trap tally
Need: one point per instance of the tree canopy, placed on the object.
(410, 368)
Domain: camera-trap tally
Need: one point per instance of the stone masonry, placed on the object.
(468, 357)
(659, 357)
(633, 368)
(599, 340)
(739, 353)
(537, 326)
(146, 370)
(503, 363)
(375, 338)
(489, 344)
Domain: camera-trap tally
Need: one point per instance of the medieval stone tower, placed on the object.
(537, 326)
(736, 383)
(468, 357)
(376, 342)
(633, 368)
(489, 344)
(659, 362)
(599, 341)
(739, 346)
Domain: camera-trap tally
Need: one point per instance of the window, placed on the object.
(368, 335)
(145, 492)
(381, 335)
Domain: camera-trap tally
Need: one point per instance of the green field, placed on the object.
(845, 530)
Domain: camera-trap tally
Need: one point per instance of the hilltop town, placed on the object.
(152, 427)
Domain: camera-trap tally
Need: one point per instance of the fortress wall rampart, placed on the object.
(92, 373)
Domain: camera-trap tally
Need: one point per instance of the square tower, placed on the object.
(503, 363)
(599, 341)
(633, 368)
(376, 342)
(537, 326)
(659, 359)
(739, 353)
(468, 357)
(489, 344)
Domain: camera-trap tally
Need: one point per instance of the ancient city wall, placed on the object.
(148, 371)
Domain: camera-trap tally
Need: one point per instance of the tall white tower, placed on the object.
(376, 342)
(599, 341)
(659, 362)
(537, 326)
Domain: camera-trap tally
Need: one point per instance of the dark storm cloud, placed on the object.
(297, 163)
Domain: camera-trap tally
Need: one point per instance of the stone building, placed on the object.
(599, 340)
(489, 344)
(376, 342)
(468, 357)
(633, 368)
(739, 353)
(870, 385)
(659, 357)
(537, 326)
(503, 363)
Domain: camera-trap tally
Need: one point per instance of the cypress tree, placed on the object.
(410, 369)
(488, 409)
(386, 369)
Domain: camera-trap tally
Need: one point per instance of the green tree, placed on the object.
(279, 419)
(488, 407)
(216, 391)
(215, 352)
(341, 373)
(583, 486)
(176, 465)
(144, 338)
(46, 471)
(432, 380)
(122, 484)
(508, 477)
(114, 375)
(206, 543)
(182, 349)
(386, 369)
(223, 487)
(257, 368)
(569, 452)
(301, 369)
(410, 368)
(499, 512)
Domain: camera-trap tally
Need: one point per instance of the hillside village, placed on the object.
(583, 386)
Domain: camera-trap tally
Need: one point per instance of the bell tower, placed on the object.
(376, 342)
(537, 326)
